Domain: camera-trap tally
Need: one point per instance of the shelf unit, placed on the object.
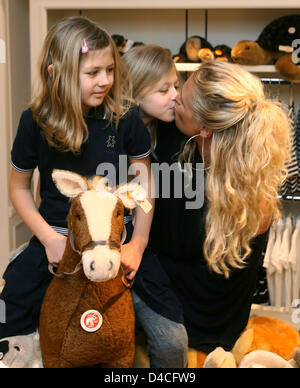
(39, 10)
(261, 70)
(267, 69)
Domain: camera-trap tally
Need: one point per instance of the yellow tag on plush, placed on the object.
(145, 205)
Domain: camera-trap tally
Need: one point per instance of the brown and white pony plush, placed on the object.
(87, 316)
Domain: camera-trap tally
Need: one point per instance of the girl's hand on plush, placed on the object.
(55, 248)
(131, 257)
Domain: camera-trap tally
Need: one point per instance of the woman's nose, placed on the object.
(178, 99)
(174, 93)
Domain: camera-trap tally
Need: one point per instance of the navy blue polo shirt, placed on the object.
(104, 145)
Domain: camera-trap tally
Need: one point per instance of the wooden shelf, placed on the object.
(268, 69)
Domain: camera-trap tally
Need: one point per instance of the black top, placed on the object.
(104, 145)
(215, 309)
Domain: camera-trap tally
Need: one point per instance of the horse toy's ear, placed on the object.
(69, 183)
(132, 194)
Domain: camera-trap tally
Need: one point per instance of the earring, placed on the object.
(191, 138)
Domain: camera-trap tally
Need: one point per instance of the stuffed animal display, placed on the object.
(198, 49)
(189, 50)
(274, 45)
(267, 342)
(87, 317)
(123, 45)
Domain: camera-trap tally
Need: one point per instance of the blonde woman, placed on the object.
(80, 117)
(240, 141)
(237, 147)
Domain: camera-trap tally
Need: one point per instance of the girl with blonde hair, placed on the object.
(80, 117)
(155, 87)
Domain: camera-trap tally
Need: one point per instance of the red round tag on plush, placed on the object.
(91, 320)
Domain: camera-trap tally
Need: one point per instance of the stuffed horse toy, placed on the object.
(87, 316)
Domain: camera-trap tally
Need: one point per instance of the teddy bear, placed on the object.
(265, 341)
(189, 50)
(275, 45)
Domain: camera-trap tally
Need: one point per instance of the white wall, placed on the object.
(4, 123)
(14, 96)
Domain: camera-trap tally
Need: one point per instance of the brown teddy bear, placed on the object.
(189, 50)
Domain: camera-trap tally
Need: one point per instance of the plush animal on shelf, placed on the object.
(189, 50)
(87, 316)
(274, 45)
(277, 338)
(21, 352)
(222, 52)
(123, 45)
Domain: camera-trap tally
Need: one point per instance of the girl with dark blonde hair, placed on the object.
(80, 117)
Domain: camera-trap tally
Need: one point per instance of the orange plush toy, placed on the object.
(267, 334)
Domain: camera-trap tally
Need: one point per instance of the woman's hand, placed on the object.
(55, 247)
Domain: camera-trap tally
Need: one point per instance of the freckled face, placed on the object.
(96, 75)
(184, 115)
(159, 101)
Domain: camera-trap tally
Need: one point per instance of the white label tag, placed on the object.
(2, 51)
(145, 205)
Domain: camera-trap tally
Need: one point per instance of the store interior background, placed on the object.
(165, 26)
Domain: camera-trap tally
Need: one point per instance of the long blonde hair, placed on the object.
(147, 65)
(56, 105)
(249, 147)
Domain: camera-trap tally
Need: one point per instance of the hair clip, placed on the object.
(84, 47)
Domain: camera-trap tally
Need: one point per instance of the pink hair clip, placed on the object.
(84, 47)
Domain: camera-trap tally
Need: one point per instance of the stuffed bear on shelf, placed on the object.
(189, 50)
(197, 49)
(275, 45)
